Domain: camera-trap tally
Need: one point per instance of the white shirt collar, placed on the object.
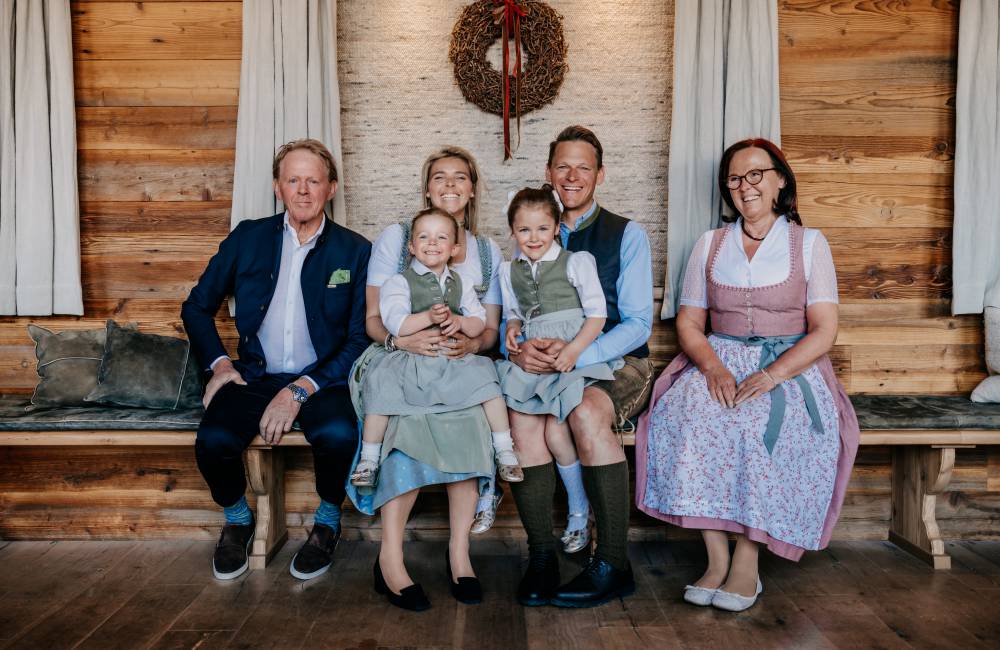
(419, 267)
(295, 235)
(549, 255)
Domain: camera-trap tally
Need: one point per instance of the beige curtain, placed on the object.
(725, 90)
(39, 204)
(976, 246)
(288, 90)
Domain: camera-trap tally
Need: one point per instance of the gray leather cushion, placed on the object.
(68, 363)
(146, 370)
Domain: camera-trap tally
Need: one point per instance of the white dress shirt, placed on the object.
(394, 298)
(284, 333)
(581, 269)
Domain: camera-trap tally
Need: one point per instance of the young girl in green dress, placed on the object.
(551, 293)
(429, 294)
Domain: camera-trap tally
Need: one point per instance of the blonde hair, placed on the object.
(311, 145)
(472, 207)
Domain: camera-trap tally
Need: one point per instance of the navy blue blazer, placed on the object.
(246, 267)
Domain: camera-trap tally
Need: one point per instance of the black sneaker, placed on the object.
(540, 581)
(598, 583)
(232, 553)
(316, 555)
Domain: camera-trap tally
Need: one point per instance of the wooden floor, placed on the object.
(161, 595)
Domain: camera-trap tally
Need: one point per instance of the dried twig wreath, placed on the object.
(537, 27)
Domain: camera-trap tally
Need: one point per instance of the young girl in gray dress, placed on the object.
(551, 293)
(429, 294)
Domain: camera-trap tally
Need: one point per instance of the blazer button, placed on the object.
(260, 363)
(263, 307)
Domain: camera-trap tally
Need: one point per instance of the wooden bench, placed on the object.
(923, 431)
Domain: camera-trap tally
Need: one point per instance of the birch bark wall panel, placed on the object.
(399, 101)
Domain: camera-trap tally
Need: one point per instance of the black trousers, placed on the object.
(233, 418)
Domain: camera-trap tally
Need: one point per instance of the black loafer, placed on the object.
(598, 583)
(465, 590)
(232, 553)
(411, 598)
(540, 580)
(316, 555)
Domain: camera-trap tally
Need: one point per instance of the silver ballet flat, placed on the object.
(734, 602)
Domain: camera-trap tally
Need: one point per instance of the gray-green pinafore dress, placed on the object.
(409, 384)
(552, 309)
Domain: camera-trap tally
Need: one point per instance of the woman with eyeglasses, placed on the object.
(748, 432)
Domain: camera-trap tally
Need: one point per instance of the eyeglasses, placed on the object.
(754, 176)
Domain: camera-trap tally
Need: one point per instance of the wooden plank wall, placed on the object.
(867, 91)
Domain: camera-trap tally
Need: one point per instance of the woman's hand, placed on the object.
(458, 345)
(755, 386)
(425, 342)
(721, 385)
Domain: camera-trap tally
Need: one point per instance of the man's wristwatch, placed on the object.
(390, 343)
(299, 394)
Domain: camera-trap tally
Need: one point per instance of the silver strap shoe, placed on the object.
(486, 517)
(574, 541)
(365, 474)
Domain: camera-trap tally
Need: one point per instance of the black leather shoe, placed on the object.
(598, 583)
(540, 580)
(316, 555)
(412, 598)
(232, 553)
(466, 590)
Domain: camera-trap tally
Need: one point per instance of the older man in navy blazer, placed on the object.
(299, 283)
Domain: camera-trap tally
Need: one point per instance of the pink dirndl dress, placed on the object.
(702, 465)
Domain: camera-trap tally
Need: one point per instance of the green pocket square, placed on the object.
(340, 276)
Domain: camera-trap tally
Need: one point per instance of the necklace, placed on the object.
(743, 227)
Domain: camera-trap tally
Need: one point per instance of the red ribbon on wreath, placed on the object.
(508, 14)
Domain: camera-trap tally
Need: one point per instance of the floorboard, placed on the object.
(161, 595)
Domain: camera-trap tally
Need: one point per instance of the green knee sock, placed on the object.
(607, 487)
(534, 497)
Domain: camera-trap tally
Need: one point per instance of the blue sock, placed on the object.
(572, 478)
(238, 513)
(328, 514)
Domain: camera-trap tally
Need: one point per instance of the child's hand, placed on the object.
(452, 325)
(439, 313)
(566, 359)
(513, 333)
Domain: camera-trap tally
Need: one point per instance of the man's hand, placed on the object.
(535, 357)
(279, 416)
(222, 374)
(459, 345)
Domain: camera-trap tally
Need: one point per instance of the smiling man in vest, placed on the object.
(299, 283)
(575, 168)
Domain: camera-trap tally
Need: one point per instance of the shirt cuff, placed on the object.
(311, 381)
(211, 366)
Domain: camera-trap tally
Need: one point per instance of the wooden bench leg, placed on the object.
(266, 471)
(919, 474)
